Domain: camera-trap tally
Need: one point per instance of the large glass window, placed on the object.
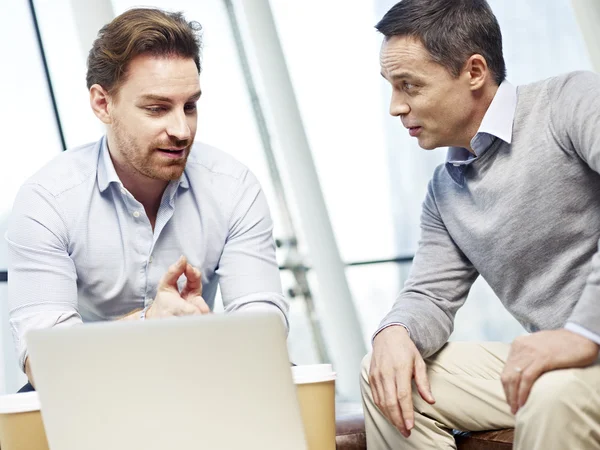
(373, 175)
(30, 138)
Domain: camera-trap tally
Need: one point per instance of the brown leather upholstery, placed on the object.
(350, 431)
(350, 427)
(486, 440)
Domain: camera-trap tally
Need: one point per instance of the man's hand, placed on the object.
(531, 356)
(394, 363)
(192, 291)
(169, 302)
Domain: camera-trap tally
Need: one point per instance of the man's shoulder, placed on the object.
(67, 170)
(439, 183)
(440, 176)
(205, 159)
(562, 84)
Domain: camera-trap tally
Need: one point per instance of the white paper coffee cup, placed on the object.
(21, 425)
(315, 386)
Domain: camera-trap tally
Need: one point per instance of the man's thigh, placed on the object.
(465, 381)
(565, 396)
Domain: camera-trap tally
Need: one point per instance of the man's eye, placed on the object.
(155, 109)
(408, 86)
(190, 107)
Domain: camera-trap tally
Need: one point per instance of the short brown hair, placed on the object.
(135, 32)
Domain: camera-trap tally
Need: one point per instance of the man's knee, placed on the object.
(552, 394)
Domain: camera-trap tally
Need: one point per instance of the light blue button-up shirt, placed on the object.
(82, 249)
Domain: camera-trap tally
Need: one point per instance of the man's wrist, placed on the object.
(144, 313)
(582, 331)
(388, 326)
(396, 331)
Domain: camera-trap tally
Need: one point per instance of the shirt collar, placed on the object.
(497, 123)
(107, 173)
(106, 169)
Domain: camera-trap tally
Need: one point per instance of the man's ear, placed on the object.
(101, 102)
(478, 71)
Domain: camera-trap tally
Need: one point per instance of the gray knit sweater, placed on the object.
(526, 218)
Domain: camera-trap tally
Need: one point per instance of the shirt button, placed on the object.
(150, 259)
(136, 214)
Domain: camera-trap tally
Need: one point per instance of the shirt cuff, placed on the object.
(40, 320)
(264, 307)
(387, 325)
(578, 329)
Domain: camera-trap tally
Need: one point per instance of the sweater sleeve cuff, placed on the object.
(578, 329)
(383, 327)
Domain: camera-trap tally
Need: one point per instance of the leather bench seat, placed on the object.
(350, 433)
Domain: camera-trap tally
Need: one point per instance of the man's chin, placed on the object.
(172, 174)
(168, 173)
(167, 170)
(427, 146)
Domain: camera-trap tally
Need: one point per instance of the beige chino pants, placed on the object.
(562, 411)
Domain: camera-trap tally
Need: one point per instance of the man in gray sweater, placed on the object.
(518, 202)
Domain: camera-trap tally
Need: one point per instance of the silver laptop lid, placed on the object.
(211, 382)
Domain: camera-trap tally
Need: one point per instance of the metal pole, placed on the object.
(293, 259)
(38, 36)
(341, 325)
(587, 13)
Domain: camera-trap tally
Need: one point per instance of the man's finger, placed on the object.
(169, 279)
(510, 381)
(528, 377)
(193, 285)
(404, 393)
(422, 381)
(391, 406)
(377, 389)
(507, 374)
(374, 383)
(375, 392)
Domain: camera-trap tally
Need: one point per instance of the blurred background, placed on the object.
(344, 180)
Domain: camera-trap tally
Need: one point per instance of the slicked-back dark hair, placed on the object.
(450, 30)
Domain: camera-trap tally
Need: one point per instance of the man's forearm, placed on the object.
(28, 372)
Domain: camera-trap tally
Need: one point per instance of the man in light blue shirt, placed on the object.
(144, 223)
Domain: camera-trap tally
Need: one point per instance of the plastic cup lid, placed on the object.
(19, 403)
(313, 373)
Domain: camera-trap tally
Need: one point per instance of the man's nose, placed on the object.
(399, 106)
(178, 126)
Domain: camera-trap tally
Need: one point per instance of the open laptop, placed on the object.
(210, 382)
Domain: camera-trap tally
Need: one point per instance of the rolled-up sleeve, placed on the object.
(42, 280)
(248, 270)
